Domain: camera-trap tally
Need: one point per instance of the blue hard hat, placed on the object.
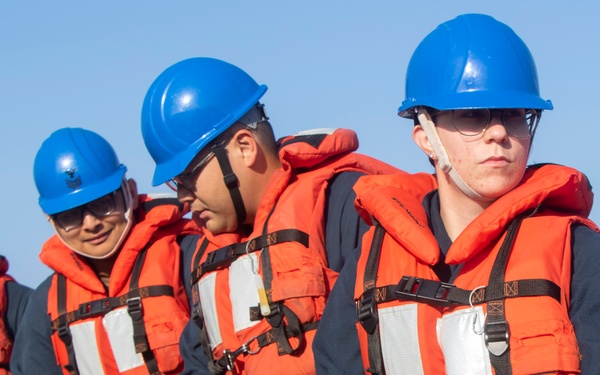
(472, 61)
(190, 104)
(75, 166)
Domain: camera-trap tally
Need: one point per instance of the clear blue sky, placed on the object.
(327, 64)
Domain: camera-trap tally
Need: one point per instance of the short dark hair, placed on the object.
(263, 133)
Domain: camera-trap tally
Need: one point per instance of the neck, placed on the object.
(260, 181)
(457, 210)
(103, 268)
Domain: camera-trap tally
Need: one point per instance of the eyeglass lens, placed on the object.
(73, 218)
(516, 121)
(185, 180)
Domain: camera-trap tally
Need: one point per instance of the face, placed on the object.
(206, 194)
(99, 232)
(491, 163)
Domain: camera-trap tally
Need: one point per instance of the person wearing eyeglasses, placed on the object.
(258, 299)
(116, 303)
(495, 270)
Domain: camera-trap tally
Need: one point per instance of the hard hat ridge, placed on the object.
(75, 166)
(190, 104)
(472, 61)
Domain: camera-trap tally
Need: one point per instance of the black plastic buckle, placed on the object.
(93, 308)
(64, 333)
(496, 337)
(197, 315)
(230, 356)
(217, 258)
(230, 180)
(427, 291)
(366, 311)
(275, 318)
(134, 307)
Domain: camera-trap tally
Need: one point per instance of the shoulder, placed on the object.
(341, 195)
(40, 294)
(585, 238)
(17, 292)
(344, 182)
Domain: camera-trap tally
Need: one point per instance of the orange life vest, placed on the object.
(508, 306)
(5, 341)
(262, 296)
(134, 327)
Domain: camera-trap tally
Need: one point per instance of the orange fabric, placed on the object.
(5, 341)
(164, 316)
(294, 199)
(542, 339)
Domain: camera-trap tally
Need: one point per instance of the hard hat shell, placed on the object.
(75, 166)
(472, 61)
(190, 104)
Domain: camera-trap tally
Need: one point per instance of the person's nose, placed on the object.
(90, 222)
(184, 195)
(496, 130)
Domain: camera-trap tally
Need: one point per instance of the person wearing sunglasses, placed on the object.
(258, 298)
(116, 303)
(495, 270)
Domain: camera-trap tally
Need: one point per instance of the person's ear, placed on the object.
(245, 146)
(134, 193)
(421, 139)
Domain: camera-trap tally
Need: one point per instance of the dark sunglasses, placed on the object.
(73, 218)
(188, 180)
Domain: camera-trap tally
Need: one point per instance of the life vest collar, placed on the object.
(557, 187)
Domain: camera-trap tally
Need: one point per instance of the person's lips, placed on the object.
(100, 238)
(496, 161)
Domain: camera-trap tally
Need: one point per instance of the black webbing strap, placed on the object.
(231, 181)
(62, 324)
(193, 281)
(102, 306)
(438, 293)
(214, 366)
(135, 310)
(226, 255)
(283, 329)
(496, 330)
(227, 361)
(289, 331)
(366, 306)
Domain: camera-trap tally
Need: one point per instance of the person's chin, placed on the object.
(215, 229)
(96, 253)
(199, 222)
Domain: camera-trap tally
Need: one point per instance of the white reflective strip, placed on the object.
(400, 340)
(243, 292)
(206, 289)
(86, 348)
(119, 328)
(460, 335)
(317, 131)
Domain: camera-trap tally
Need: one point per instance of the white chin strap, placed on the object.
(128, 217)
(442, 157)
